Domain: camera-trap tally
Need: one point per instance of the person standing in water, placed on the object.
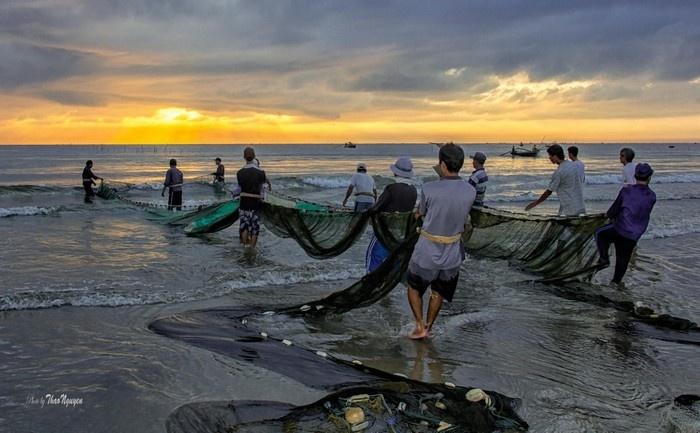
(219, 175)
(251, 180)
(397, 197)
(363, 186)
(173, 182)
(630, 214)
(581, 169)
(565, 182)
(88, 181)
(444, 206)
(479, 178)
(628, 167)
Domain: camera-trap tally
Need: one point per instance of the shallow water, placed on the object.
(108, 271)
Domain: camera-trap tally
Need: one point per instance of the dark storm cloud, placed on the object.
(414, 42)
(25, 64)
(67, 97)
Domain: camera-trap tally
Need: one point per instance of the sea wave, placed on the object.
(9, 190)
(682, 228)
(108, 297)
(327, 182)
(27, 211)
(612, 179)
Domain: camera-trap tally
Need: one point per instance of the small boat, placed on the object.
(671, 146)
(349, 145)
(523, 151)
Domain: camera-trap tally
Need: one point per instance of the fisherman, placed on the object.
(444, 206)
(565, 182)
(573, 156)
(479, 178)
(88, 181)
(630, 213)
(219, 175)
(397, 197)
(251, 180)
(365, 190)
(173, 182)
(628, 167)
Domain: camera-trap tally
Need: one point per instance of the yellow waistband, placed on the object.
(445, 240)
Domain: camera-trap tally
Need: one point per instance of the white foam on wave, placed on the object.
(307, 274)
(612, 179)
(27, 211)
(106, 296)
(327, 182)
(671, 230)
(148, 187)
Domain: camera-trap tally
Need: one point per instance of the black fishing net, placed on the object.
(544, 245)
(379, 394)
(389, 407)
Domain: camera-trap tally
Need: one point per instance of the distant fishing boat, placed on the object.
(523, 151)
(671, 146)
(349, 145)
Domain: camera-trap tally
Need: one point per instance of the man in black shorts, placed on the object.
(251, 180)
(444, 207)
(88, 181)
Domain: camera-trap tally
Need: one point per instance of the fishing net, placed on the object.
(545, 245)
(684, 415)
(388, 401)
(365, 292)
(390, 407)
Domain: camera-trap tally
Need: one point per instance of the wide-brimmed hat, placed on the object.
(361, 166)
(403, 167)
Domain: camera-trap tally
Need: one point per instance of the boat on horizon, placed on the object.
(524, 151)
(349, 145)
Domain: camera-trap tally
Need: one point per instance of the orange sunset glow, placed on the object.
(319, 83)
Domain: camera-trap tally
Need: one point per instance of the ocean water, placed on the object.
(79, 284)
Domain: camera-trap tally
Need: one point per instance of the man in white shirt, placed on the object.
(363, 186)
(626, 157)
(565, 182)
(581, 169)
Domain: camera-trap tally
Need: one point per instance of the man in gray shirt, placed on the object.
(444, 205)
(173, 182)
(566, 182)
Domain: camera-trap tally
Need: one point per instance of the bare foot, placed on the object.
(418, 334)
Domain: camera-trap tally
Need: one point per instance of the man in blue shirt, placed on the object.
(630, 215)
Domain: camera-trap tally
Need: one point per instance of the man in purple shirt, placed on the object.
(630, 215)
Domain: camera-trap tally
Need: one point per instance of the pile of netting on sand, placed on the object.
(361, 398)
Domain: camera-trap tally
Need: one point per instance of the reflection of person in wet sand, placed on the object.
(435, 371)
(444, 206)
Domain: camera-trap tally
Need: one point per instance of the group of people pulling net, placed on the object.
(404, 247)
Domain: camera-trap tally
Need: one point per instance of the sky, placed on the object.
(258, 71)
